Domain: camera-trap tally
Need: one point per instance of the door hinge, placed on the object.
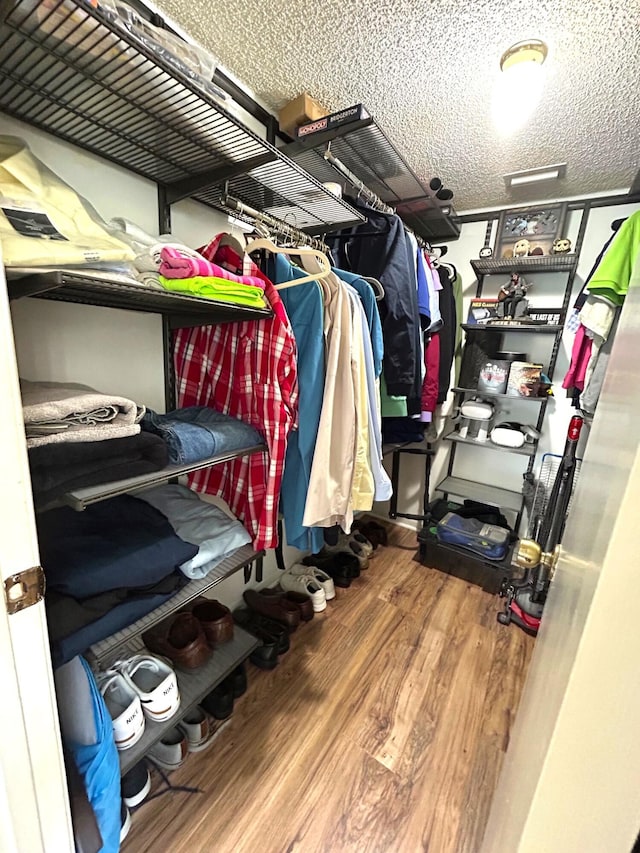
(24, 589)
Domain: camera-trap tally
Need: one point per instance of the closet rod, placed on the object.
(374, 200)
(234, 205)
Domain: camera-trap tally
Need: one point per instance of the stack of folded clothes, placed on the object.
(200, 277)
(160, 262)
(60, 468)
(56, 412)
(77, 437)
(105, 568)
(216, 534)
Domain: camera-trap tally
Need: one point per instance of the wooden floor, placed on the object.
(381, 731)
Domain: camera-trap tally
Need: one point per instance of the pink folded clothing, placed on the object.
(175, 264)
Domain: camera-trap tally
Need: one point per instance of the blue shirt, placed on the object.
(368, 299)
(305, 309)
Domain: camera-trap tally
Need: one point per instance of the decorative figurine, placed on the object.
(512, 304)
(521, 248)
(537, 251)
(486, 252)
(561, 246)
(508, 253)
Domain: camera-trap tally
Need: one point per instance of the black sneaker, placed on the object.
(219, 703)
(238, 681)
(135, 785)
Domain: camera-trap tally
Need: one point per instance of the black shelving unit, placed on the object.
(365, 150)
(70, 70)
(484, 341)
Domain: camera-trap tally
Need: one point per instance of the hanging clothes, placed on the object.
(372, 314)
(362, 489)
(447, 275)
(329, 496)
(618, 270)
(378, 248)
(247, 370)
(305, 309)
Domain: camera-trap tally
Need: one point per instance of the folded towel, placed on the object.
(59, 412)
(221, 289)
(176, 264)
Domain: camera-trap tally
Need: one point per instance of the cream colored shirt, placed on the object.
(362, 488)
(43, 221)
(330, 483)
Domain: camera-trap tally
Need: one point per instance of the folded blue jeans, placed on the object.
(198, 432)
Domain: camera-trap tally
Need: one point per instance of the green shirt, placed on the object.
(614, 273)
(212, 287)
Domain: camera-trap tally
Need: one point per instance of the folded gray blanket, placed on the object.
(57, 412)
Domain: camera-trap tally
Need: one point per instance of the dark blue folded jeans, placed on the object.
(199, 432)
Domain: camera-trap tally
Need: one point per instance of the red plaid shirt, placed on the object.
(248, 370)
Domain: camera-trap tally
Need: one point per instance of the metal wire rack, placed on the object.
(549, 467)
(67, 68)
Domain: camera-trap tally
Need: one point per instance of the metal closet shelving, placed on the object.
(365, 150)
(69, 69)
(487, 340)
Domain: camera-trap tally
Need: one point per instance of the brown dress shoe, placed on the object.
(278, 609)
(215, 618)
(302, 601)
(179, 638)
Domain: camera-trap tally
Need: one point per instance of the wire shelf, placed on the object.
(368, 153)
(89, 289)
(106, 651)
(66, 68)
(193, 686)
(534, 263)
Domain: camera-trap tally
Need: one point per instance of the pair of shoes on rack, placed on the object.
(374, 532)
(277, 608)
(188, 637)
(197, 730)
(134, 689)
(273, 636)
(341, 567)
(351, 543)
(301, 576)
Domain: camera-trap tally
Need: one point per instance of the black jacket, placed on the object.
(378, 248)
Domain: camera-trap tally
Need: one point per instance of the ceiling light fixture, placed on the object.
(519, 87)
(534, 176)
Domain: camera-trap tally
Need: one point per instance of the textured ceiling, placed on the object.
(426, 69)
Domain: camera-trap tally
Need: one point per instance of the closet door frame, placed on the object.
(34, 804)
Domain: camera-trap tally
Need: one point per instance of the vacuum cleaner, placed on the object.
(538, 556)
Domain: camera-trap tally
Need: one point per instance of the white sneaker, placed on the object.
(325, 580)
(123, 705)
(155, 683)
(200, 729)
(307, 584)
(171, 750)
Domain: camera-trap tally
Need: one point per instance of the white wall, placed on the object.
(493, 466)
(112, 350)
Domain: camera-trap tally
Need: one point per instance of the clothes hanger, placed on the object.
(303, 251)
(376, 286)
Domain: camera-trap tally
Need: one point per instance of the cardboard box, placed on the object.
(482, 311)
(299, 111)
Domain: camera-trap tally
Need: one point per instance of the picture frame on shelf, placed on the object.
(540, 225)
